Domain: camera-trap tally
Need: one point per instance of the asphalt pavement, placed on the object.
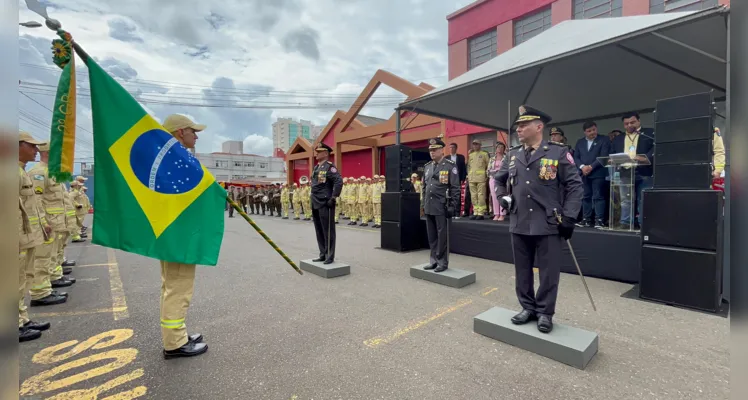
(374, 334)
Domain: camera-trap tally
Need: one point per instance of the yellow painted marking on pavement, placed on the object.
(374, 342)
(94, 392)
(43, 382)
(94, 265)
(50, 354)
(294, 397)
(115, 283)
(87, 279)
(489, 291)
(82, 312)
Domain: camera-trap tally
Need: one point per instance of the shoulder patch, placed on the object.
(569, 158)
(333, 169)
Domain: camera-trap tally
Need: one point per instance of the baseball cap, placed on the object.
(176, 122)
(24, 136)
(43, 147)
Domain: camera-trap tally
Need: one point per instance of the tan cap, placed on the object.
(368, 179)
(381, 176)
(74, 183)
(84, 188)
(176, 122)
(24, 136)
(80, 178)
(376, 176)
(414, 175)
(43, 147)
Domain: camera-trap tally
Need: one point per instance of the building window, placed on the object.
(662, 6)
(222, 164)
(588, 9)
(263, 165)
(237, 163)
(531, 25)
(249, 164)
(481, 48)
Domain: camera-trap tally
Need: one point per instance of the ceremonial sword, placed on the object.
(571, 249)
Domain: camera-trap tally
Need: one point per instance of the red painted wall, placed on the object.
(489, 15)
(562, 10)
(504, 37)
(635, 7)
(458, 59)
(300, 168)
(357, 163)
(330, 138)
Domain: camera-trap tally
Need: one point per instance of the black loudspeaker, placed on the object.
(683, 218)
(683, 176)
(397, 166)
(401, 206)
(399, 236)
(690, 152)
(684, 129)
(688, 106)
(683, 277)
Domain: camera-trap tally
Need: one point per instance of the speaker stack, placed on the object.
(401, 227)
(682, 217)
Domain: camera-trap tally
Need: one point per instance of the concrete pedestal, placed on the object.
(455, 278)
(565, 344)
(333, 270)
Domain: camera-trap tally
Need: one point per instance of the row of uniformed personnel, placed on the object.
(280, 200)
(49, 215)
(362, 198)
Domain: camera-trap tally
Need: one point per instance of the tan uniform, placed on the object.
(30, 236)
(52, 196)
(478, 177)
(307, 201)
(79, 202)
(62, 237)
(344, 194)
(285, 201)
(364, 202)
(418, 186)
(376, 198)
(297, 202)
(718, 147)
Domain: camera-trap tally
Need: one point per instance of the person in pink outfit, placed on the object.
(493, 168)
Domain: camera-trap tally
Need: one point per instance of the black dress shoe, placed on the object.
(190, 349)
(67, 270)
(195, 338)
(318, 259)
(84, 235)
(441, 269)
(37, 326)
(523, 317)
(364, 224)
(68, 263)
(430, 267)
(63, 294)
(545, 324)
(285, 217)
(473, 217)
(479, 217)
(68, 279)
(296, 219)
(61, 283)
(26, 334)
(328, 261)
(50, 300)
(352, 223)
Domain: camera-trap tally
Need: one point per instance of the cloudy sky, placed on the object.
(237, 55)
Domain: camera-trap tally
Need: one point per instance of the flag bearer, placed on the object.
(52, 199)
(177, 279)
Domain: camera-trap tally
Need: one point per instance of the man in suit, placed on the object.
(638, 142)
(586, 152)
(459, 161)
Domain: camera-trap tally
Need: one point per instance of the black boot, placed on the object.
(545, 323)
(328, 261)
(26, 334)
(523, 317)
(68, 263)
(50, 300)
(320, 258)
(37, 326)
(430, 267)
(196, 338)
(190, 349)
(67, 270)
(61, 283)
(441, 268)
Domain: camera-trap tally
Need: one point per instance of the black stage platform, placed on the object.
(601, 254)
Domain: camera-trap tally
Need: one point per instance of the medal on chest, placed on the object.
(444, 177)
(322, 176)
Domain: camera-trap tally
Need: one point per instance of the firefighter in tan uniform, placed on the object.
(377, 188)
(363, 197)
(33, 232)
(296, 201)
(477, 165)
(79, 202)
(52, 196)
(177, 279)
(718, 148)
(353, 200)
(345, 209)
(417, 185)
(75, 230)
(285, 200)
(307, 199)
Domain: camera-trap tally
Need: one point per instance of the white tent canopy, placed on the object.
(596, 68)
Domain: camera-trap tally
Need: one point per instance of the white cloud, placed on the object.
(306, 51)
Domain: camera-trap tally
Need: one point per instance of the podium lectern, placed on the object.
(622, 202)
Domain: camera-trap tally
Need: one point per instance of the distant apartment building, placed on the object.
(233, 167)
(286, 130)
(233, 147)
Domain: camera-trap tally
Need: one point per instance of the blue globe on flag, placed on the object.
(163, 165)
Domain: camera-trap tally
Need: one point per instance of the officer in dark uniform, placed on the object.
(326, 187)
(544, 198)
(440, 196)
(251, 199)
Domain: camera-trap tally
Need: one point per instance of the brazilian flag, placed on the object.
(153, 197)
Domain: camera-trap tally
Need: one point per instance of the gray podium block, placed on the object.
(455, 278)
(333, 270)
(565, 344)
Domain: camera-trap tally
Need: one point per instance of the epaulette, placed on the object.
(432, 161)
(517, 147)
(556, 143)
(449, 160)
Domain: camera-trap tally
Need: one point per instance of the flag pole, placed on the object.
(264, 236)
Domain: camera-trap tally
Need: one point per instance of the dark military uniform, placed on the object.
(326, 186)
(251, 199)
(440, 194)
(544, 183)
(277, 200)
(232, 196)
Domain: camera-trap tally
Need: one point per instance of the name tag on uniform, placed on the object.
(322, 176)
(443, 176)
